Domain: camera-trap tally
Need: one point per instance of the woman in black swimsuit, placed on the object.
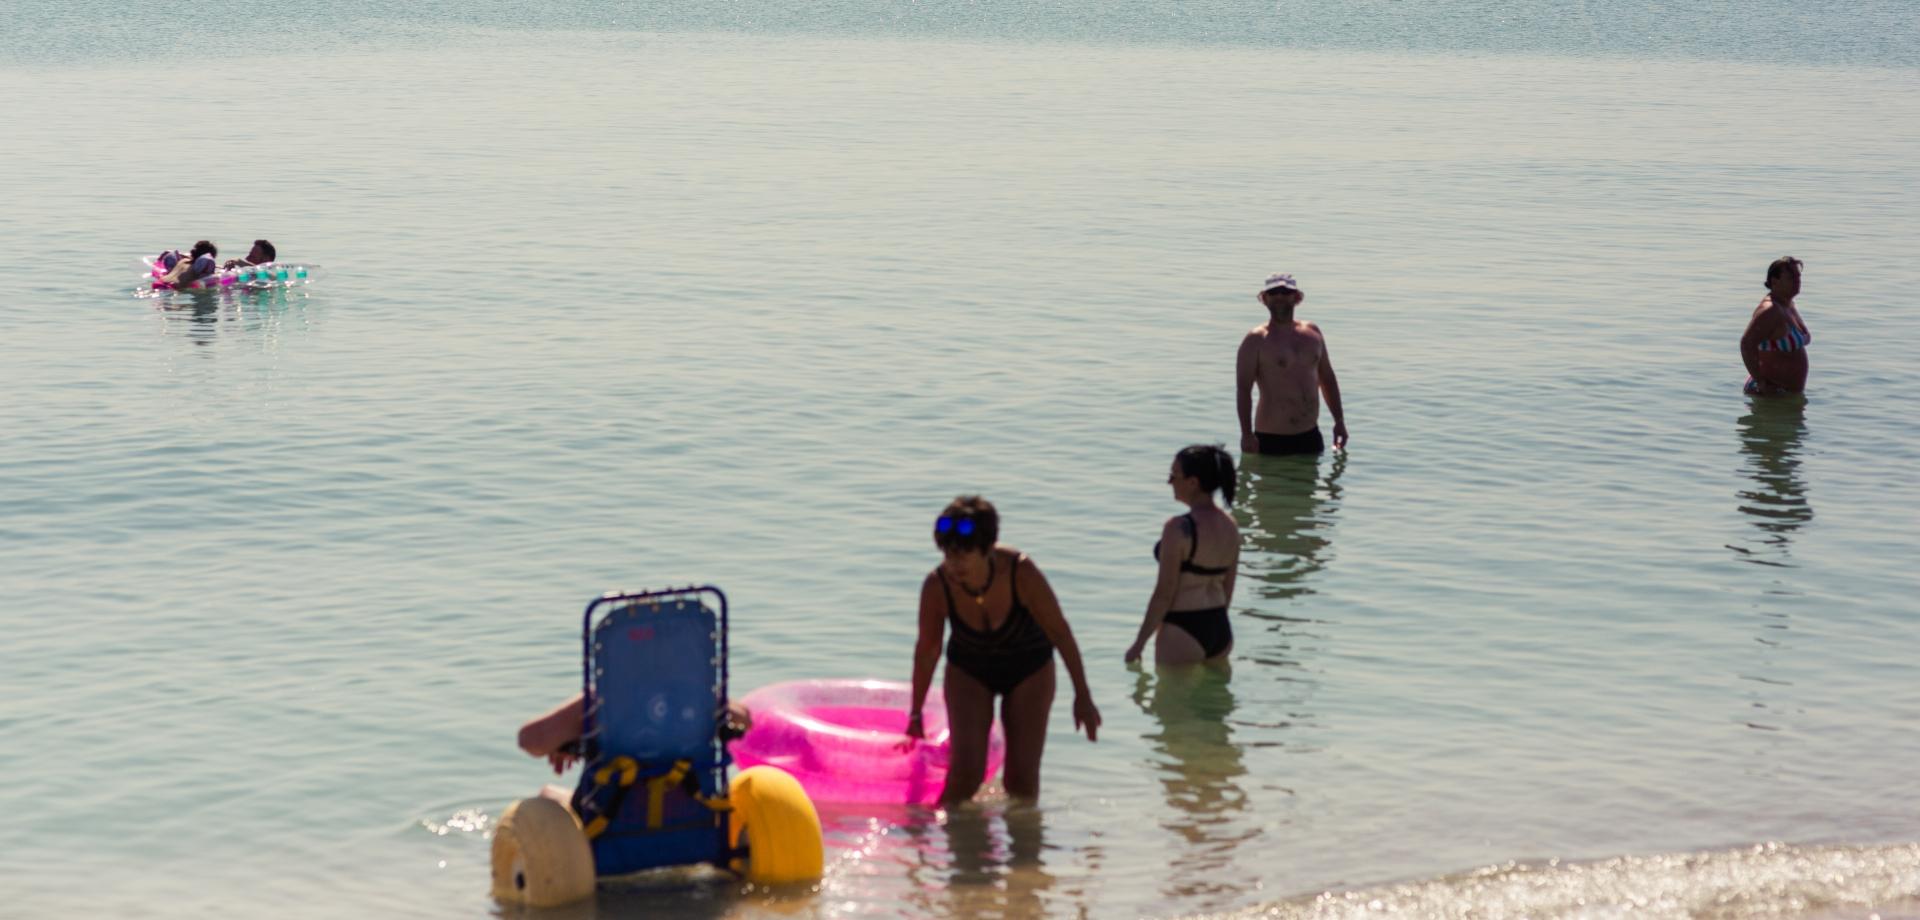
(1199, 553)
(1006, 626)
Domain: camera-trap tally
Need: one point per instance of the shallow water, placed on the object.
(605, 308)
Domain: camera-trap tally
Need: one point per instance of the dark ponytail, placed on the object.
(1227, 479)
(1212, 465)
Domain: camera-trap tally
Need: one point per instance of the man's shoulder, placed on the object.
(1251, 342)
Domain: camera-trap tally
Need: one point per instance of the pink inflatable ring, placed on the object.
(844, 740)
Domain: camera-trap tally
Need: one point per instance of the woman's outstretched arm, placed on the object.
(547, 735)
(926, 649)
(1174, 543)
(1046, 611)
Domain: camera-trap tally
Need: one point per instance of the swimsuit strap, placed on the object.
(1013, 585)
(952, 613)
(1021, 630)
(1193, 539)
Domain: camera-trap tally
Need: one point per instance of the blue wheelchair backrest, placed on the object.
(656, 684)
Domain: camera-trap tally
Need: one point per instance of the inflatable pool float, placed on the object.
(845, 740)
(246, 277)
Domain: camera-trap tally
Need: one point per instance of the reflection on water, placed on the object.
(1199, 766)
(1777, 504)
(201, 315)
(1777, 507)
(1285, 515)
(995, 864)
(1286, 512)
(679, 893)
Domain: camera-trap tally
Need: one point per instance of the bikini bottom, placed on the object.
(1208, 627)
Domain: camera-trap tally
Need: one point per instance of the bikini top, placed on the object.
(1018, 632)
(1795, 339)
(1193, 546)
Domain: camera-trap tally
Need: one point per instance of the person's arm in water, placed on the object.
(1173, 548)
(546, 735)
(1766, 322)
(926, 650)
(1330, 393)
(1046, 612)
(1244, 366)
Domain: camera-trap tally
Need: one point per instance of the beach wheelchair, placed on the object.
(654, 788)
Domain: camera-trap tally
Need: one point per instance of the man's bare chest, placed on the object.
(1289, 353)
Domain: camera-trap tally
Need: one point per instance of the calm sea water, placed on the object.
(744, 293)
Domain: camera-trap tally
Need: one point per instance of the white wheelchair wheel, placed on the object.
(540, 855)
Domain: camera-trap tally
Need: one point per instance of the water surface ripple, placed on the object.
(612, 307)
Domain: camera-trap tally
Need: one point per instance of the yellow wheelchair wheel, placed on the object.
(540, 855)
(773, 818)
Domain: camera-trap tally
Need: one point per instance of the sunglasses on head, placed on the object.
(947, 525)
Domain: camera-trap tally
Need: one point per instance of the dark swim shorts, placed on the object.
(1306, 442)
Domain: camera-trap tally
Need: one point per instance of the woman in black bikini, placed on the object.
(1199, 552)
(1006, 626)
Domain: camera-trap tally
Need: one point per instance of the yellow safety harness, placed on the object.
(627, 770)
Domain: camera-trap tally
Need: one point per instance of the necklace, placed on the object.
(980, 596)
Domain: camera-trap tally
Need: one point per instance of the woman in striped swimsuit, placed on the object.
(1774, 347)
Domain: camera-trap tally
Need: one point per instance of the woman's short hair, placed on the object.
(1780, 266)
(968, 523)
(204, 248)
(1211, 464)
(266, 249)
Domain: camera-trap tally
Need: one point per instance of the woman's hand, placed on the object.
(1134, 651)
(916, 733)
(561, 761)
(1086, 716)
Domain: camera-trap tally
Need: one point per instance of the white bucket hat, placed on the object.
(1279, 281)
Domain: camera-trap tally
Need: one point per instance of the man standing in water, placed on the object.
(1288, 359)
